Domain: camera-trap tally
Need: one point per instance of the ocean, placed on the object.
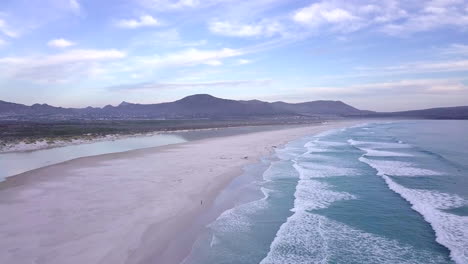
(385, 192)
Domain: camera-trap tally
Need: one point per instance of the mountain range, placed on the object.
(204, 106)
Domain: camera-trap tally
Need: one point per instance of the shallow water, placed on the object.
(14, 163)
(18, 162)
(377, 193)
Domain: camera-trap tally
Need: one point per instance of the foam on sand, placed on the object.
(451, 230)
(237, 219)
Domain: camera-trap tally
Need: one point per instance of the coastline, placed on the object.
(140, 200)
(27, 145)
(41, 144)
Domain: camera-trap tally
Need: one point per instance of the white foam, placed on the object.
(311, 195)
(289, 153)
(375, 148)
(382, 153)
(324, 143)
(328, 132)
(312, 147)
(360, 125)
(237, 219)
(330, 143)
(320, 146)
(311, 238)
(309, 170)
(317, 158)
(378, 145)
(281, 169)
(214, 241)
(451, 230)
(397, 168)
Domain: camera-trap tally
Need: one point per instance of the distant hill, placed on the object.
(318, 107)
(191, 107)
(457, 112)
(204, 106)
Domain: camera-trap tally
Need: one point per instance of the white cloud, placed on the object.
(75, 6)
(420, 87)
(415, 86)
(345, 17)
(318, 14)
(456, 65)
(191, 57)
(456, 49)
(60, 43)
(6, 30)
(393, 17)
(165, 38)
(59, 67)
(154, 86)
(243, 61)
(431, 15)
(170, 4)
(263, 28)
(142, 21)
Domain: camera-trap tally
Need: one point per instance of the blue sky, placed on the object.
(373, 54)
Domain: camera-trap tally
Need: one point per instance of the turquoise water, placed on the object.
(376, 193)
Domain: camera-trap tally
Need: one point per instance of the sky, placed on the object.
(383, 55)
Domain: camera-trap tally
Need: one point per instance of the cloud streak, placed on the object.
(392, 17)
(191, 57)
(57, 68)
(171, 4)
(6, 30)
(142, 21)
(60, 43)
(159, 86)
(455, 65)
(411, 87)
(263, 28)
(431, 15)
(456, 49)
(75, 6)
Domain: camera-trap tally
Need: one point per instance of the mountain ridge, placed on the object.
(205, 106)
(191, 107)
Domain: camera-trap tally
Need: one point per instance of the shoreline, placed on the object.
(26, 145)
(139, 199)
(41, 144)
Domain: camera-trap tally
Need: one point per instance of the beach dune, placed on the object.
(125, 207)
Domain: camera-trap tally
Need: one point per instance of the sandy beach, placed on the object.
(124, 207)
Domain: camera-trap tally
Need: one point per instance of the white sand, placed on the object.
(124, 207)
